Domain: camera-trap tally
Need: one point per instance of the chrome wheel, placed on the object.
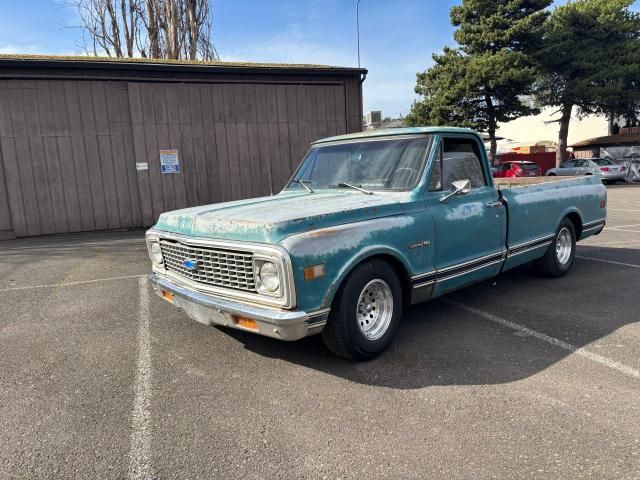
(563, 246)
(375, 309)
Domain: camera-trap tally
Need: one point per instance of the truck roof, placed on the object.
(386, 132)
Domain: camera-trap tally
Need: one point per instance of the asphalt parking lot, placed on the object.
(518, 377)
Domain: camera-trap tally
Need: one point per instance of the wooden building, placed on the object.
(96, 144)
(617, 147)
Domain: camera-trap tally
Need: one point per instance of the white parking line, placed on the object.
(99, 243)
(622, 226)
(69, 284)
(622, 210)
(623, 230)
(140, 453)
(632, 265)
(606, 361)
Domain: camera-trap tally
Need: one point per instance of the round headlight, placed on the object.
(156, 253)
(268, 279)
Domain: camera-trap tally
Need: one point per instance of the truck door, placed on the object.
(469, 226)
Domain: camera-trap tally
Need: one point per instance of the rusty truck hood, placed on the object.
(271, 219)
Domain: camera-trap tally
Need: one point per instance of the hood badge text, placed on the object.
(422, 243)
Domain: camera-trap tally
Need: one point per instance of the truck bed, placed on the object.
(503, 183)
(537, 204)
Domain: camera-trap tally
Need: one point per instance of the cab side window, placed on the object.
(461, 160)
(458, 159)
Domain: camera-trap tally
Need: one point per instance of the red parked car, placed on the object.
(517, 169)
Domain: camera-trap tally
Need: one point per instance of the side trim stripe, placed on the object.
(592, 228)
(464, 272)
(531, 242)
(528, 249)
(597, 223)
(469, 266)
(429, 278)
(425, 279)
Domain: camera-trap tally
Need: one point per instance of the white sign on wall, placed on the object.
(142, 166)
(169, 161)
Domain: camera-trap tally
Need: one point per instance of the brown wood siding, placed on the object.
(68, 148)
(233, 140)
(586, 152)
(64, 151)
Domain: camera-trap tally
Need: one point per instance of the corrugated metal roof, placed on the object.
(628, 139)
(26, 61)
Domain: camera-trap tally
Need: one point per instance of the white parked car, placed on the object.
(610, 171)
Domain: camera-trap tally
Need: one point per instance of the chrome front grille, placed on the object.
(216, 267)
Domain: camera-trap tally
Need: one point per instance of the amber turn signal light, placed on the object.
(167, 295)
(314, 271)
(245, 323)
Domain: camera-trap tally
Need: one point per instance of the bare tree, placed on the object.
(174, 29)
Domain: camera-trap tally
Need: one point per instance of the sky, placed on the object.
(397, 39)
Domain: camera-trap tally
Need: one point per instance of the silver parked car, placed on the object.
(610, 171)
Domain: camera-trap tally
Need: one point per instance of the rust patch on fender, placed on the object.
(326, 232)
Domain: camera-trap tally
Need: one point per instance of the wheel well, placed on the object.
(398, 267)
(577, 223)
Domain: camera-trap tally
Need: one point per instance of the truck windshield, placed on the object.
(386, 164)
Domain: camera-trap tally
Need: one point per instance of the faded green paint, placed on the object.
(393, 132)
(341, 228)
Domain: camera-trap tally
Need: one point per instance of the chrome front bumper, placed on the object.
(210, 310)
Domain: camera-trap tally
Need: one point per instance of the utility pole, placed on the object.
(358, 28)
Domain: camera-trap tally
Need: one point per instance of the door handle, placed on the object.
(496, 204)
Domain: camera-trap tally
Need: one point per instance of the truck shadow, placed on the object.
(441, 344)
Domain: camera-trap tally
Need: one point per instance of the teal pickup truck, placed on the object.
(369, 223)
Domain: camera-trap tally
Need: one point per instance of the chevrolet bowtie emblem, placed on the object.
(190, 264)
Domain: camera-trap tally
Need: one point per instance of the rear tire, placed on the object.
(559, 257)
(365, 313)
(552, 175)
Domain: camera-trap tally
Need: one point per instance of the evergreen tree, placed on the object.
(490, 76)
(590, 60)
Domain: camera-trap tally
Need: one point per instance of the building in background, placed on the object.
(374, 121)
(622, 147)
(97, 144)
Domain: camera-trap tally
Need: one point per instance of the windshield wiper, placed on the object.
(304, 184)
(360, 189)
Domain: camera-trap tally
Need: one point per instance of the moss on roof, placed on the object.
(163, 61)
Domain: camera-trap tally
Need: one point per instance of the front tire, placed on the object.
(365, 313)
(559, 257)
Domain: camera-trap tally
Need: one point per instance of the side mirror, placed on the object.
(459, 187)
